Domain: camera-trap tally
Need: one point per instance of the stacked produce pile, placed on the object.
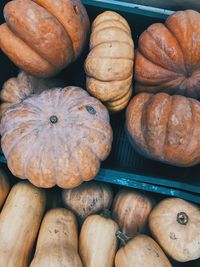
(53, 133)
(93, 227)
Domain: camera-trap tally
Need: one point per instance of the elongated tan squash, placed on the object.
(98, 243)
(57, 244)
(19, 224)
(4, 187)
(141, 251)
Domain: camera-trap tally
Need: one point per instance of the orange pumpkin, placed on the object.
(58, 137)
(43, 36)
(168, 56)
(165, 128)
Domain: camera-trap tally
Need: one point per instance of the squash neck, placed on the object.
(106, 213)
(122, 238)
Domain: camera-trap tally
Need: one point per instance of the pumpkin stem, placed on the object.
(122, 238)
(53, 119)
(106, 213)
(182, 218)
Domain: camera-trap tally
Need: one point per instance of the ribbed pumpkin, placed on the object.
(57, 243)
(88, 198)
(4, 187)
(97, 241)
(141, 251)
(168, 56)
(58, 137)
(175, 223)
(43, 36)
(109, 65)
(131, 210)
(165, 128)
(17, 89)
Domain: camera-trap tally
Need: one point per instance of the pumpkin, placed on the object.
(88, 198)
(57, 243)
(131, 210)
(168, 56)
(141, 251)
(109, 64)
(58, 137)
(175, 223)
(4, 187)
(97, 241)
(165, 128)
(17, 89)
(20, 220)
(43, 36)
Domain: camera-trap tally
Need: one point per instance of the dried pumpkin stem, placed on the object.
(122, 238)
(182, 218)
(106, 213)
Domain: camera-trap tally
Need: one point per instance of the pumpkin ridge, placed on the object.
(30, 47)
(144, 125)
(179, 46)
(167, 132)
(167, 79)
(112, 27)
(16, 141)
(54, 15)
(156, 63)
(118, 21)
(20, 43)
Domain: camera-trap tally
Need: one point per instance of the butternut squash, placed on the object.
(98, 243)
(57, 244)
(19, 224)
(141, 251)
(4, 187)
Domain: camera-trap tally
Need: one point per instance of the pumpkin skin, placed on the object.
(175, 223)
(142, 251)
(66, 158)
(109, 65)
(97, 241)
(131, 210)
(88, 198)
(57, 243)
(4, 187)
(17, 89)
(165, 128)
(47, 41)
(20, 220)
(168, 56)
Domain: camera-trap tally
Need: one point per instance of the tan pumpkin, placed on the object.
(165, 128)
(131, 210)
(88, 198)
(43, 36)
(4, 187)
(109, 65)
(97, 241)
(168, 56)
(141, 251)
(57, 244)
(20, 220)
(175, 223)
(17, 89)
(58, 137)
